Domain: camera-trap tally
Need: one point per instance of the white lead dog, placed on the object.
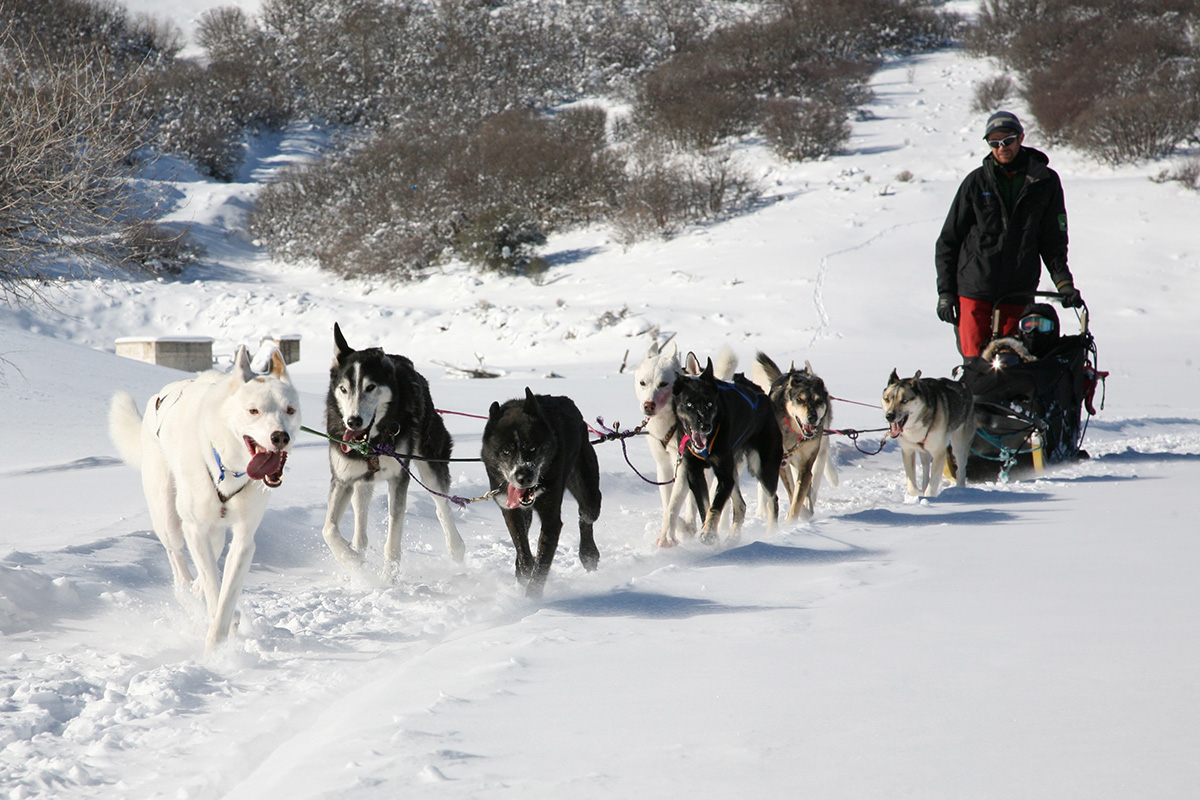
(208, 449)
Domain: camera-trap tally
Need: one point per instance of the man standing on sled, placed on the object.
(1008, 217)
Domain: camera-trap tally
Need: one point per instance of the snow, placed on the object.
(1036, 639)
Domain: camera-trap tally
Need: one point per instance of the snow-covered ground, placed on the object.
(1037, 639)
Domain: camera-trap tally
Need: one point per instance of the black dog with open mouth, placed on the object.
(724, 423)
(534, 449)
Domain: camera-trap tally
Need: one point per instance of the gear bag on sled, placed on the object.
(1030, 411)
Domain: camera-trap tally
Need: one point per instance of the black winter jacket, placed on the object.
(985, 253)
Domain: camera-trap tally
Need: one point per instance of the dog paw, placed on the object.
(667, 540)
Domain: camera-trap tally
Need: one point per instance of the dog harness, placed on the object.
(225, 498)
(751, 401)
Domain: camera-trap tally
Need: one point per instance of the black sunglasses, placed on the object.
(995, 144)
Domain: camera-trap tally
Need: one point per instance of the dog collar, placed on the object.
(800, 433)
(686, 442)
(221, 467)
(225, 498)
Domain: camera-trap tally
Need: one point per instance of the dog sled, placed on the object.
(1032, 409)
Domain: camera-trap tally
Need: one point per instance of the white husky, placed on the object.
(208, 448)
(654, 383)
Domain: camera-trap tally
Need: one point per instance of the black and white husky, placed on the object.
(535, 449)
(379, 399)
(926, 415)
(725, 423)
(803, 410)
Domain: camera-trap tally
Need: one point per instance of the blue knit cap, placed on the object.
(1002, 120)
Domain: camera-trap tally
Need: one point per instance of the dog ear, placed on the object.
(917, 376)
(242, 371)
(531, 403)
(670, 353)
(691, 364)
(494, 411)
(708, 370)
(893, 378)
(340, 348)
(279, 366)
(808, 370)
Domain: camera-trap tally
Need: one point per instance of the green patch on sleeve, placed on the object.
(1062, 222)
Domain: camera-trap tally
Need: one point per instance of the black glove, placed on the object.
(947, 308)
(1069, 296)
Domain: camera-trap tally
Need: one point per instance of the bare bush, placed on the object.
(1187, 174)
(1120, 80)
(991, 94)
(653, 204)
(662, 195)
(399, 201)
(158, 249)
(1123, 129)
(695, 102)
(68, 134)
(805, 129)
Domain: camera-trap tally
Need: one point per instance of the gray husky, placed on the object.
(803, 410)
(535, 449)
(926, 415)
(382, 401)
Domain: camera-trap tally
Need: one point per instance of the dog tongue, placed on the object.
(895, 429)
(263, 464)
(514, 496)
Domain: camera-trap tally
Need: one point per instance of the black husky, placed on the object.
(381, 400)
(722, 423)
(538, 447)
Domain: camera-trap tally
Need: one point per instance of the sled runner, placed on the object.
(1030, 408)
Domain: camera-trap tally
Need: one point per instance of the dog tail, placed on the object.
(726, 364)
(125, 428)
(764, 371)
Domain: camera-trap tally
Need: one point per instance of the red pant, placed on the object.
(975, 323)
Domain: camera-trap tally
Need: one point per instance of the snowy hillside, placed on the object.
(1037, 639)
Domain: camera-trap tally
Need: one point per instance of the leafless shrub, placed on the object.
(653, 203)
(399, 201)
(1123, 129)
(805, 129)
(1187, 174)
(1119, 80)
(68, 134)
(991, 94)
(662, 194)
(158, 249)
(695, 102)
